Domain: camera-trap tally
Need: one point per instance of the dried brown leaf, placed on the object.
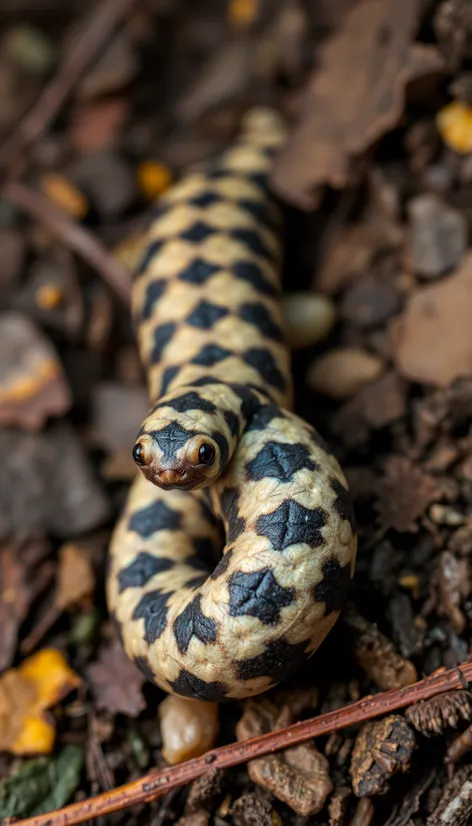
(15, 597)
(354, 96)
(76, 580)
(116, 682)
(404, 494)
(32, 386)
(382, 748)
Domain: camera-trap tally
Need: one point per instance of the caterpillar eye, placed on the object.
(206, 454)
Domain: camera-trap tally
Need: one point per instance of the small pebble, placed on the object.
(446, 515)
(343, 371)
(95, 127)
(454, 123)
(107, 179)
(153, 179)
(65, 195)
(438, 236)
(189, 728)
(29, 48)
(117, 67)
(309, 318)
(368, 302)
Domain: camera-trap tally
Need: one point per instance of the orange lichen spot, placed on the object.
(153, 179)
(26, 693)
(412, 583)
(454, 122)
(242, 12)
(23, 387)
(49, 296)
(65, 195)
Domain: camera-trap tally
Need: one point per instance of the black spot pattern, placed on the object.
(259, 316)
(279, 460)
(222, 443)
(168, 376)
(343, 503)
(188, 685)
(261, 212)
(188, 401)
(222, 566)
(148, 256)
(141, 570)
(255, 276)
(143, 664)
(252, 241)
(263, 417)
(198, 232)
(232, 420)
(333, 588)
(162, 336)
(278, 660)
(205, 199)
(229, 509)
(204, 550)
(154, 517)
(259, 179)
(171, 439)
(211, 354)
(258, 595)
(198, 271)
(205, 315)
(291, 524)
(192, 622)
(196, 581)
(154, 292)
(152, 608)
(249, 401)
(263, 361)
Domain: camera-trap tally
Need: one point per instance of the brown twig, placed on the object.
(92, 33)
(160, 782)
(74, 236)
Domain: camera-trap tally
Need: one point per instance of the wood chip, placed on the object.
(404, 494)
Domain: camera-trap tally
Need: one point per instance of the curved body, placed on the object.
(229, 570)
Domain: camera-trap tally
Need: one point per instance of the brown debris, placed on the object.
(33, 386)
(204, 790)
(432, 716)
(250, 810)
(364, 814)
(452, 579)
(404, 494)
(381, 749)
(116, 682)
(376, 654)
(337, 806)
(459, 747)
(298, 776)
(455, 805)
(354, 97)
(432, 339)
(15, 596)
(377, 405)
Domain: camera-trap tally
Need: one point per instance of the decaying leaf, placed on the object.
(376, 654)
(42, 784)
(298, 776)
(32, 386)
(76, 580)
(432, 339)
(382, 748)
(14, 602)
(26, 693)
(404, 493)
(355, 95)
(116, 682)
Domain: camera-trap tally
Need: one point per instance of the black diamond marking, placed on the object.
(188, 685)
(232, 420)
(152, 608)
(154, 517)
(259, 316)
(143, 664)
(222, 566)
(277, 661)
(254, 275)
(222, 443)
(291, 524)
(252, 241)
(188, 401)
(211, 354)
(162, 336)
(249, 401)
(229, 509)
(263, 417)
(198, 271)
(263, 361)
(205, 199)
(261, 212)
(198, 232)
(148, 256)
(333, 588)
(168, 376)
(258, 595)
(279, 460)
(141, 570)
(259, 178)
(154, 292)
(343, 503)
(171, 439)
(192, 622)
(205, 315)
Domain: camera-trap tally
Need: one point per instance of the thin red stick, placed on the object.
(72, 234)
(157, 783)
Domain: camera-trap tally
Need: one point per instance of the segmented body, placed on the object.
(222, 590)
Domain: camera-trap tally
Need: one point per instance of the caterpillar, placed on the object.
(233, 555)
